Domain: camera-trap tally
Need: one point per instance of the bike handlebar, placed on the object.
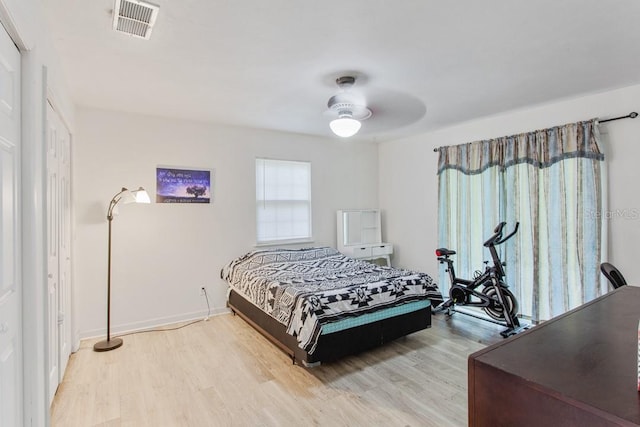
(497, 238)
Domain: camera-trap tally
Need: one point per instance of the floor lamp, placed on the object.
(124, 196)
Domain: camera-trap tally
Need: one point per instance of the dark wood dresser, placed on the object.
(579, 369)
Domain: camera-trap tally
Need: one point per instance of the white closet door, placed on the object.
(59, 247)
(10, 263)
(53, 254)
(64, 241)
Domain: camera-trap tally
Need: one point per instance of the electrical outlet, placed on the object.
(202, 291)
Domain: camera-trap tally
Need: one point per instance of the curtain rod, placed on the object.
(631, 115)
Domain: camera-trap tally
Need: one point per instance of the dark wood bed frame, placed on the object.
(334, 345)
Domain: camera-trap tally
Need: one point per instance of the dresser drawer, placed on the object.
(384, 249)
(361, 251)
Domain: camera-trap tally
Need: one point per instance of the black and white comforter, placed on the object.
(305, 288)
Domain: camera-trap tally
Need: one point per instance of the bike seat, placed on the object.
(444, 252)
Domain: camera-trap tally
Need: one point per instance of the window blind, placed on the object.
(283, 200)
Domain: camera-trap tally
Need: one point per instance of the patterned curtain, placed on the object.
(550, 181)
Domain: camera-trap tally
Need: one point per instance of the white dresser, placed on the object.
(360, 235)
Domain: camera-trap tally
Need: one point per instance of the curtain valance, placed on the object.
(540, 148)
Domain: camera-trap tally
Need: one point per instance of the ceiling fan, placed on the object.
(348, 109)
(354, 104)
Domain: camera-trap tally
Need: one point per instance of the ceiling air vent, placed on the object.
(135, 18)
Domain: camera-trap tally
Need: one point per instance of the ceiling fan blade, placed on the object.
(392, 109)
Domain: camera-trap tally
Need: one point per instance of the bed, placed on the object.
(319, 305)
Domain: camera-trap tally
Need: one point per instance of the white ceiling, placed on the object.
(272, 64)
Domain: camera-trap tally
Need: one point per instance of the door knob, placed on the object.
(4, 328)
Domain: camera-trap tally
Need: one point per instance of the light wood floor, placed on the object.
(223, 373)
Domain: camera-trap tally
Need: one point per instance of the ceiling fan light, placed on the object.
(345, 126)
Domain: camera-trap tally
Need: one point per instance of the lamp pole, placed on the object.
(110, 344)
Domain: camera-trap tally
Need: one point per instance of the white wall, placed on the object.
(408, 180)
(162, 254)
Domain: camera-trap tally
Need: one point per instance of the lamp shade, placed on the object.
(126, 197)
(141, 195)
(345, 126)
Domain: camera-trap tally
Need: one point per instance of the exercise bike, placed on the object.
(487, 290)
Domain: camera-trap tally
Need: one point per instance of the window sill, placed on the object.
(283, 242)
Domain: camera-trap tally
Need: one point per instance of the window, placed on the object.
(283, 201)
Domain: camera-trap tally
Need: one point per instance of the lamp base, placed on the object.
(107, 345)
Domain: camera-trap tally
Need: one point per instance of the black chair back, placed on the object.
(613, 274)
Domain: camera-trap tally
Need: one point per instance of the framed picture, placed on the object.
(183, 185)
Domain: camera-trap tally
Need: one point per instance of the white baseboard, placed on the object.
(151, 323)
